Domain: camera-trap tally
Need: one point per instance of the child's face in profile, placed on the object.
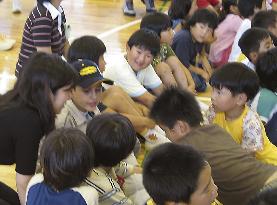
(223, 100)
(199, 32)
(138, 58)
(265, 45)
(86, 99)
(60, 97)
(167, 36)
(206, 191)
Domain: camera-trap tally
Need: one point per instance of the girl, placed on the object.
(28, 111)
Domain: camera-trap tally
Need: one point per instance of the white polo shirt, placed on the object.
(135, 84)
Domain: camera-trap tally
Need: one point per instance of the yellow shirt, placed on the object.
(248, 131)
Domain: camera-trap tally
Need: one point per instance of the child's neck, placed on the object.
(234, 113)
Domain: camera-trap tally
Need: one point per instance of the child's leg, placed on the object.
(178, 72)
(128, 8)
(16, 6)
(150, 5)
(164, 72)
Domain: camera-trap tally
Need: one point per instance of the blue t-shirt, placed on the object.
(40, 193)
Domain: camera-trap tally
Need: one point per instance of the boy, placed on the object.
(114, 138)
(268, 21)
(265, 102)
(233, 86)
(247, 9)
(185, 180)
(169, 68)
(252, 43)
(188, 45)
(238, 175)
(134, 72)
(66, 158)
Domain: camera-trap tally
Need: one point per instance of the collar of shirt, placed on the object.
(79, 116)
(55, 13)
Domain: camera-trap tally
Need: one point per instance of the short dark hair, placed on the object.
(204, 16)
(173, 105)
(251, 39)
(247, 7)
(264, 19)
(41, 1)
(113, 137)
(171, 172)
(43, 73)
(236, 77)
(156, 22)
(86, 47)
(266, 69)
(266, 197)
(179, 9)
(66, 158)
(145, 39)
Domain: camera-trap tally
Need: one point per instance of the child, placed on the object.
(225, 33)
(238, 175)
(247, 9)
(268, 21)
(234, 85)
(188, 46)
(185, 180)
(128, 7)
(90, 47)
(265, 102)
(179, 11)
(166, 64)
(66, 159)
(252, 43)
(134, 72)
(114, 138)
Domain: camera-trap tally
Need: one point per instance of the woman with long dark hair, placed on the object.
(27, 113)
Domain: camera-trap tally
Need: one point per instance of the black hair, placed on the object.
(145, 39)
(251, 39)
(236, 77)
(171, 172)
(264, 19)
(203, 16)
(86, 47)
(42, 1)
(247, 7)
(43, 74)
(226, 8)
(173, 105)
(113, 137)
(156, 22)
(179, 9)
(266, 69)
(66, 158)
(266, 197)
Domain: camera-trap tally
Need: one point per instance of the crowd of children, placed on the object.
(86, 121)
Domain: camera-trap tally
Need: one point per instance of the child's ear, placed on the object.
(127, 48)
(182, 128)
(253, 56)
(241, 99)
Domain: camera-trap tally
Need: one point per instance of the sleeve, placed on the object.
(41, 31)
(252, 139)
(124, 169)
(236, 22)
(28, 135)
(180, 47)
(202, 3)
(169, 52)
(151, 79)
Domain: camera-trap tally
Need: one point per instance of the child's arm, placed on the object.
(252, 139)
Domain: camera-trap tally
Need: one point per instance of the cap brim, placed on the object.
(91, 81)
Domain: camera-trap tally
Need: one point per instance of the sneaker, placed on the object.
(128, 9)
(150, 6)
(16, 6)
(6, 43)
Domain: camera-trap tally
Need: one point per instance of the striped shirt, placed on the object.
(41, 30)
